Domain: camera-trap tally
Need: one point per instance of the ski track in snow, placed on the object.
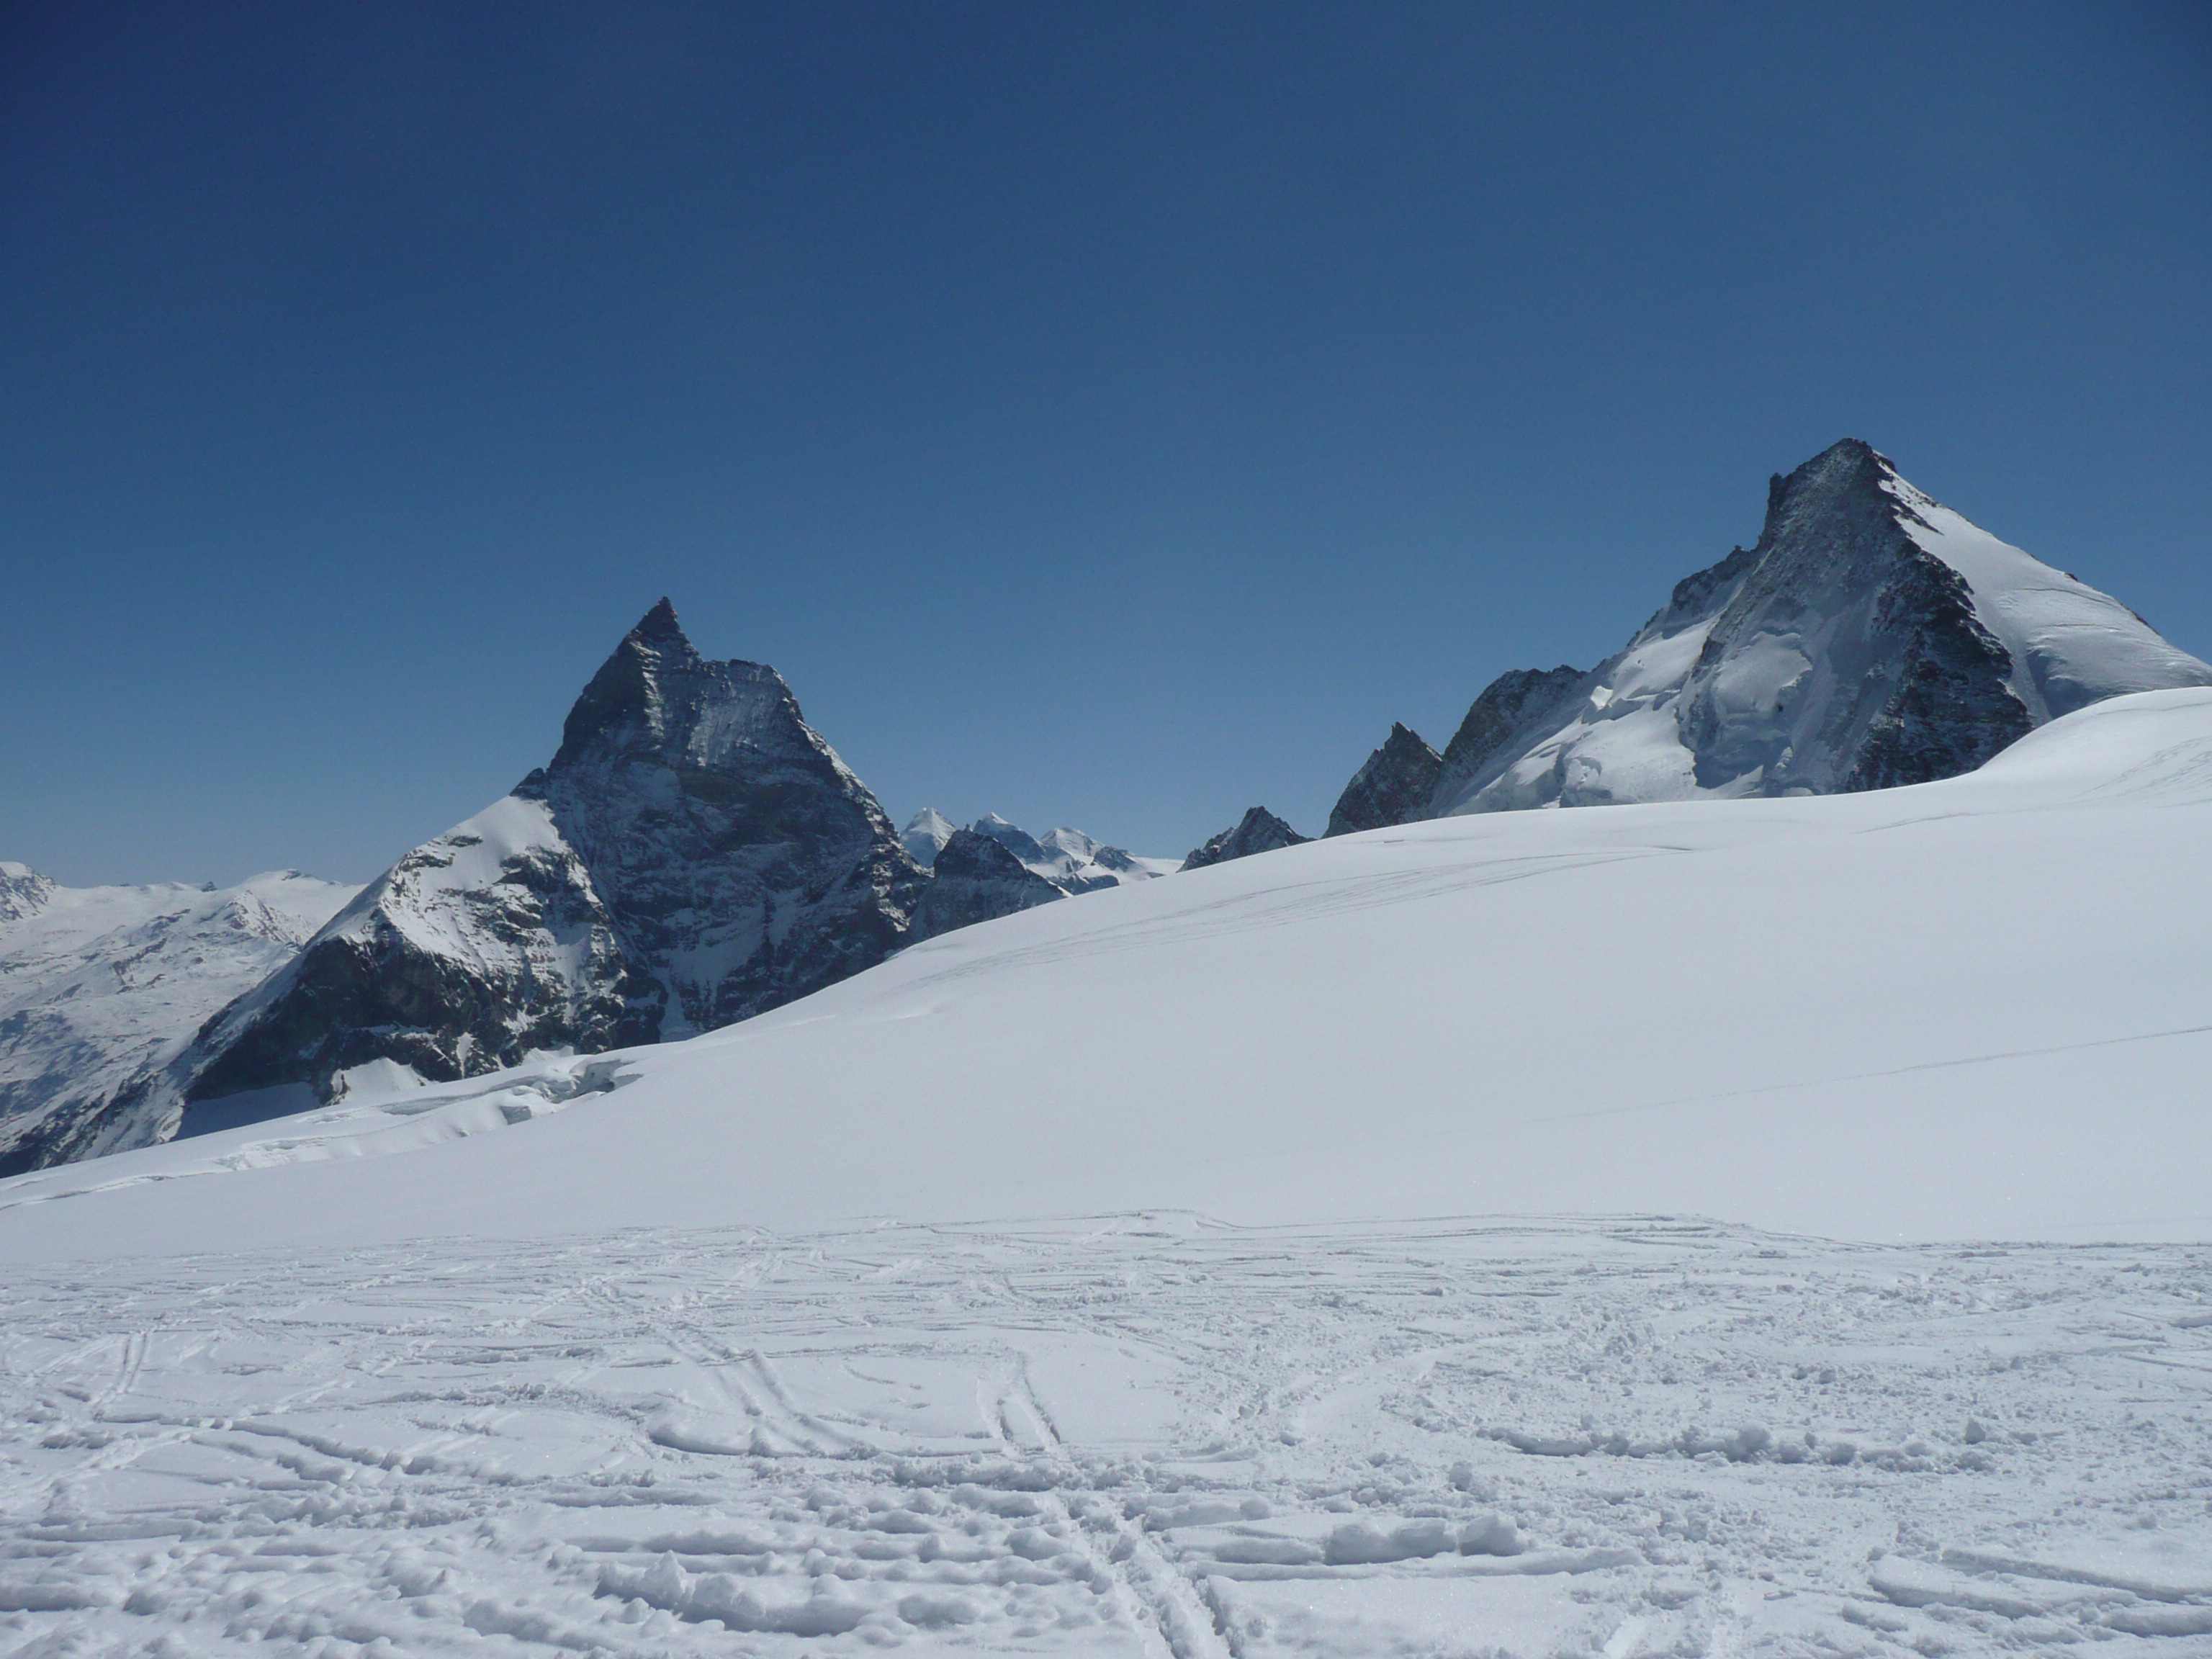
(1140, 1435)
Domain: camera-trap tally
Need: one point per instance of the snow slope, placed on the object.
(101, 987)
(1979, 1008)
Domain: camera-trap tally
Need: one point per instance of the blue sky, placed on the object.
(1112, 416)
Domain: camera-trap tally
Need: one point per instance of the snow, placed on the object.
(1069, 858)
(926, 834)
(1148, 1435)
(2070, 644)
(1869, 1016)
(1832, 1274)
(101, 985)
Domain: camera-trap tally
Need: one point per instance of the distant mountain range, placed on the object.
(696, 853)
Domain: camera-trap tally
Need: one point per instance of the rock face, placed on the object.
(1871, 637)
(102, 989)
(23, 891)
(1394, 786)
(1508, 705)
(977, 879)
(1258, 831)
(694, 854)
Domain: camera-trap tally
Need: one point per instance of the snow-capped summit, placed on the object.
(1870, 637)
(23, 891)
(924, 836)
(694, 854)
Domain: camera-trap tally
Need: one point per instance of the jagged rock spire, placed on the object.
(1394, 786)
(1258, 831)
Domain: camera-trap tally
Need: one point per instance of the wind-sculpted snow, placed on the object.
(1140, 1435)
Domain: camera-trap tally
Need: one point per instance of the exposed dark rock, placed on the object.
(1258, 831)
(977, 879)
(1514, 699)
(1944, 709)
(1394, 786)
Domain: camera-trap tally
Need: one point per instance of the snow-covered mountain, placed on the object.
(1070, 861)
(1871, 637)
(976, 877)
(100, 988)
(926, 834)
(694, 854)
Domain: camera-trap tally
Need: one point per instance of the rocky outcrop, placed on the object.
(1394, 786)
(694, 854)
(1508, 706)
(23, 891)
(977, 879)
(1258, 831)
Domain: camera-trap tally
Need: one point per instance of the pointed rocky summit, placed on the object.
(694, 854)
(1258, 831)
(1394, 786)
(1870, 637)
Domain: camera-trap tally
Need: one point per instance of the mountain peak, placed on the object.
(660, 624)
(1394, 786)
(1258, 831)
(655, 694)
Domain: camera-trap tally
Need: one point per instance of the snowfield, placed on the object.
(1845, 1286)
(1148, 1435)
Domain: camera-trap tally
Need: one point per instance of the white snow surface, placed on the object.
(712, 1347)
(926, 834)
(1980, 1008)
(102, 985)
(1148, 1435)
(2070, 644)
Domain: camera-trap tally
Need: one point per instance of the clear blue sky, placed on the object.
(1109, 415)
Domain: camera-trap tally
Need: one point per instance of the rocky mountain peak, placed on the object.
(694, 854)
(1258, 831)
(1870, 637)
(657, 698)
(1394, 786)
(978, 878)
